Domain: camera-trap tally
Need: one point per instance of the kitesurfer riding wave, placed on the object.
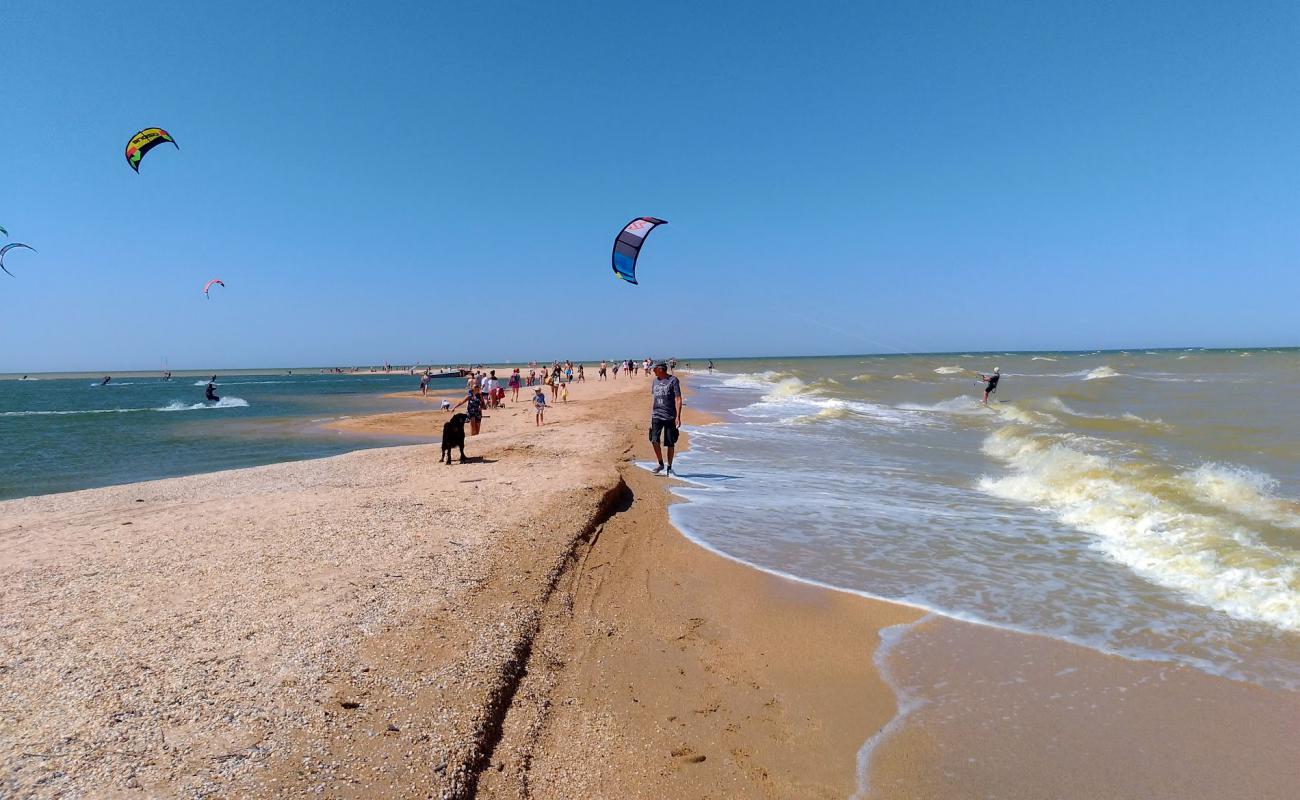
(990, 382)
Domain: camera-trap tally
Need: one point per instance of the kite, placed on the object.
(5, 232)
(6, 249)
(208, 286)
(628, 244)
(143, 142)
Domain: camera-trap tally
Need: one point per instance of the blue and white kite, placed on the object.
(628, 244)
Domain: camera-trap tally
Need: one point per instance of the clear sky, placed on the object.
(443, 181)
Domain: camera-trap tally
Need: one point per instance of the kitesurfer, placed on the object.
(990, 382)
(107, 378)
(210, 393)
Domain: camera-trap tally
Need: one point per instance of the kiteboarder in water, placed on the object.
(990, 382)
(107, 378)
(210, 393)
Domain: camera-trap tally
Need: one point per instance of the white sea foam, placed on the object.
(1060, 405)
(831, 408)
(908, 701)
(956, 405)
(1139, 523)
(950, 370)
(754, 380)
(1099, 373)
(1041, 358)
(225, 402)
(1243, 491)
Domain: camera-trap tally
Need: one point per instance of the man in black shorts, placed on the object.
(990, 382)
(665, 415)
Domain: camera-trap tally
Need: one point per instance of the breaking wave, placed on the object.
(1099, 373)
(1150, 521)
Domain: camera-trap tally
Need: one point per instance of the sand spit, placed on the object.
(352, 623)
(376, 624)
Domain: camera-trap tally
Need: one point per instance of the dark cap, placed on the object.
(661, 365)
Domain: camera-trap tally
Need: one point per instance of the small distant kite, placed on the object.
(6, 249)
(628, 244)
(209, 285)
(143, 142)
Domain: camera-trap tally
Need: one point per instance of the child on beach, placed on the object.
(539, 402)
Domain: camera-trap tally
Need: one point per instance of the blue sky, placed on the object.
(442, 182)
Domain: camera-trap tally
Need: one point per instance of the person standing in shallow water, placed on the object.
(665, 416)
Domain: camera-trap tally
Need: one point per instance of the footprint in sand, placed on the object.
(688, 755)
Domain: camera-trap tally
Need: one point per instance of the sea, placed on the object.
(1144, 503)
(65, 432)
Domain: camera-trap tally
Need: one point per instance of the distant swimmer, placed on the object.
(990, 382)
(107, 378)
(210, 393)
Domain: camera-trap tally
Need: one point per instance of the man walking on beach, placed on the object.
(665, 415)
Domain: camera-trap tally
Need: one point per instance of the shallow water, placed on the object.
(68, 433)
(1139, 503)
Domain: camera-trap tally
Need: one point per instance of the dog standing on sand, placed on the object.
(453, 435)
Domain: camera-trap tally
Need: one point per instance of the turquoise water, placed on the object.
(1141, 503)
(70, 433)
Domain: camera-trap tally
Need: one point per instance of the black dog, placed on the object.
(453, 435)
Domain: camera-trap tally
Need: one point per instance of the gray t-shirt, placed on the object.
(665, 392)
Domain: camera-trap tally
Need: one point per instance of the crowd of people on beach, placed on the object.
(484, 390)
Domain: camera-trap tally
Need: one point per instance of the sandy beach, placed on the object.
(379, 624)
(529, 624)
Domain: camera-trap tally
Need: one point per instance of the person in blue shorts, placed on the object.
(665, 415)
